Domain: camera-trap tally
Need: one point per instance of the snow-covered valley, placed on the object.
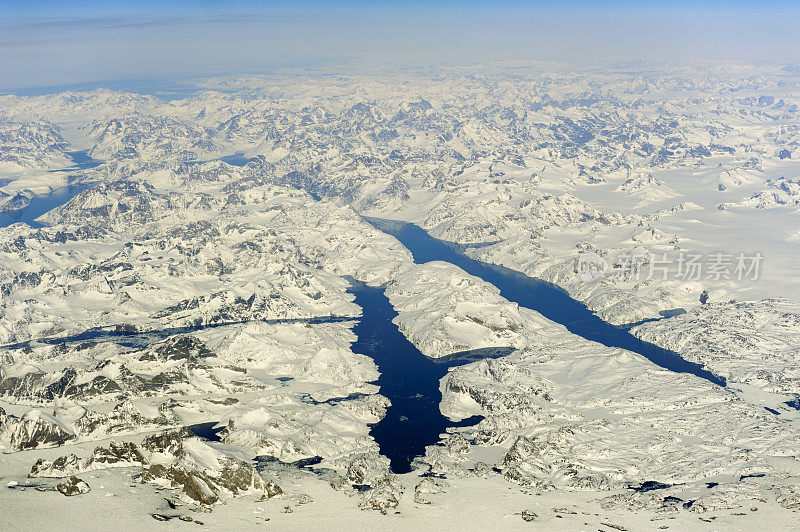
(171, 290)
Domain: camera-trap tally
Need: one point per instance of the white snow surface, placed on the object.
(527, 166)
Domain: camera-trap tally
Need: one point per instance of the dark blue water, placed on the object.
(237, 159)
(42, 204)
(81, 160)
(545, 298)
(208, 431)
(46, 202)
(139, 339)
(409, 379)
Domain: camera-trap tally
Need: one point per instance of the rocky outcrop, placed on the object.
(427, 486)
(172, 459)
(73, 486)
(203, 474)
(203, 486)
(34, 430)
(117, 454)
(369, 472)
(382, 496)
(125, 417)
(538, 463)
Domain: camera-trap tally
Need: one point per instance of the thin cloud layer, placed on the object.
(112, 42)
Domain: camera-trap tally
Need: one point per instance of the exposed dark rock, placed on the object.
(235, 477)
(117, 454)
(36, 430)
(73, 486)
(125, 418)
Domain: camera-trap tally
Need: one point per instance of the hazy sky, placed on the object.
(58, 42)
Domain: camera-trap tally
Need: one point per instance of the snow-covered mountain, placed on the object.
(184, 322)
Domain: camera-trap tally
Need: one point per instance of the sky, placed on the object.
(48, 42)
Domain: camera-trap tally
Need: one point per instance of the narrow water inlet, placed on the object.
(44, 203)
(409, 379)
(549, 300)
